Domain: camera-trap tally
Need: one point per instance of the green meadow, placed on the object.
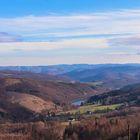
(93, 108)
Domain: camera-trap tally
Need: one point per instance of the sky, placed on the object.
(48, 32)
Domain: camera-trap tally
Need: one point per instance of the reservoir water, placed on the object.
(79, 102)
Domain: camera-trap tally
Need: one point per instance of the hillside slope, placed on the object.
(129, 94)
(29, 94)
(112, 76)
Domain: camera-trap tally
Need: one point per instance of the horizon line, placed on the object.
(69, 64)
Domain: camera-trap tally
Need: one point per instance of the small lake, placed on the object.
(79, 102)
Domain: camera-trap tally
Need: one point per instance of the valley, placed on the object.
(49, 102)
(69, 70)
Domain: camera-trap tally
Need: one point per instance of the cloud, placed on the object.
(132, 42)
(92, 59)
(48, 27)
(45, 46)
(115, 35)
(5, 37)
(34, 27)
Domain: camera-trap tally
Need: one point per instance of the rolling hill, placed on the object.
(111, 75)
(54, 88)
(30, 93)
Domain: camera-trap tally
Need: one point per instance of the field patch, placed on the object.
(93, 108)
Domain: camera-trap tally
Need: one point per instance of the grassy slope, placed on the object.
(93, 108)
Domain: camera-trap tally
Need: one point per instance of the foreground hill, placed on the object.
(28, 93)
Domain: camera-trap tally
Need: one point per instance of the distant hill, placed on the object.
(60, 69)
(111, 75)
(51, 69)
(35, 76)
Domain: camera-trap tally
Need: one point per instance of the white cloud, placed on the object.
(5, 37)
(44, 46)
(95, 59)
(124, 21)
(113, 31)
(127, 42)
